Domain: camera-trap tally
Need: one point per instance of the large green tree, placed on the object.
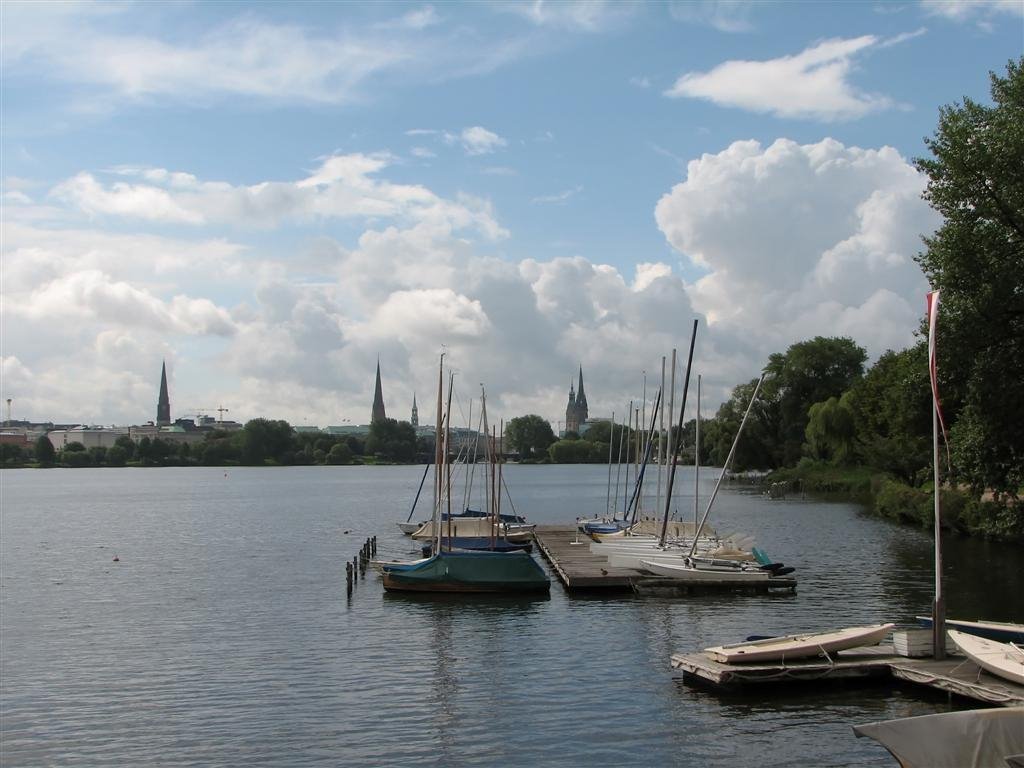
(891, 408)
(529, 435)
(976, 258)
(262, 439)
(391, 440)
(757, 446)
(809, 372)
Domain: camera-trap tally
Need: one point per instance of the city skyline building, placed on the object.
(378, 413)
(163, 404)
(577, 411)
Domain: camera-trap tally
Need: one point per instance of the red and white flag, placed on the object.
(933, 316)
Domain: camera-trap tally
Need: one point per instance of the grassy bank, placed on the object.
(962, 512)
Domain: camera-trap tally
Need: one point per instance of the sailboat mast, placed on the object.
(618, 465)
(661, 438)
(679, 432)
(696, 462)
(669, 442)
(625, 482)
(725, 467)
(487, 452)
(643, 420)
(469, 469)
(447, 463)
(648, 446)
(436, 517)
(611, 442)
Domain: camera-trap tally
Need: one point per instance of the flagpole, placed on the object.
(939, 605)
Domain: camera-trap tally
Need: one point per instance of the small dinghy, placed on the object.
(800, 646)
(1005, 660)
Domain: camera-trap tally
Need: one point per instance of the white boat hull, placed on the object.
(1004, 660)
(682, 571)
(800, 646)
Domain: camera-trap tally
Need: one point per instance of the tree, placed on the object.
(575, 452)
(11, 454)
(976, 259)
(126, 444)
(757, 447)
(891, 408)
(391, 440)
(116, 456)
(339, 454)
(263, 439)
(529, 436)
(830, 430)
(809, 372)
(44, 451)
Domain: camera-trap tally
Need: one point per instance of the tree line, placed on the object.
(260, 442)
(822, 413)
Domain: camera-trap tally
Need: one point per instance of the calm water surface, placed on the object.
(224, 635)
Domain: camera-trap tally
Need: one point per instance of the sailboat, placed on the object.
(454, 570)
(1006, 660)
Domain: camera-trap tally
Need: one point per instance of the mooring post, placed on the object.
(348, 577)
(355, 568)
(374, 540)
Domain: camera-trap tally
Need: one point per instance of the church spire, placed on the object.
(163, 404)
(415, 419)
(581, 398)
(378, 400)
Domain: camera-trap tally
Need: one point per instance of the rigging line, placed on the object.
(508, 496)
(725, 466)
(675, 441)
(418, 491)
(647, 457)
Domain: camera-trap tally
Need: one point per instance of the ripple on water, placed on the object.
(224, 636)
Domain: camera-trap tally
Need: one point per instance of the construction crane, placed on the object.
(203, 411)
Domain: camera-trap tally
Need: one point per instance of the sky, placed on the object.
(273, 197)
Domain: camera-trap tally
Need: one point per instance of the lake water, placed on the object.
(223, 636)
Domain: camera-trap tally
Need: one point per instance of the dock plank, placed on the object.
(568, 552)
(953, 675)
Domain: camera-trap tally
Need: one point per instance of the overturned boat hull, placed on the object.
(509, 572)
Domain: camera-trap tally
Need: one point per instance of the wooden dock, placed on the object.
(568, 552)
(954, 675)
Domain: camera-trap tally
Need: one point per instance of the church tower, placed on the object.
(576, 412)
(571, 422)
(415, 418)
(163, 404)
(378, 400)
(582, 411)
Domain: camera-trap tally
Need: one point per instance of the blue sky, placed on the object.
(270, 196)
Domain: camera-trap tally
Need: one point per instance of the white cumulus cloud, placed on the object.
(812, 84)
(803, 240)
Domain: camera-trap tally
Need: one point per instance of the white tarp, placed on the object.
(977, 738)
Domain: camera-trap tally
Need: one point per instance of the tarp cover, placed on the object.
(978, 738)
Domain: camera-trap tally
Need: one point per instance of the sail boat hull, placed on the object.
(508, 572)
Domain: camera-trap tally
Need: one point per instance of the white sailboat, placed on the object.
(800, 646)
(1005, 660)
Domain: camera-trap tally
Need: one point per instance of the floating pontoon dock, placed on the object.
(955, 674)
(568, 552)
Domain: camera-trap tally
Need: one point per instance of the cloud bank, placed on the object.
(793, 240)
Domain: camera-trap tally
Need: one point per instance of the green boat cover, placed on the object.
(469, 572)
